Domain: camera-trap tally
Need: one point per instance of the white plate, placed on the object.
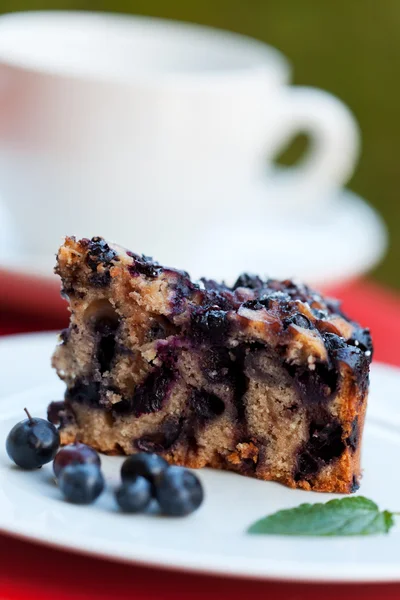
(343, 241)
(213, 540)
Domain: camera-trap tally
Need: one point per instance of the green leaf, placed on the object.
(347, 516)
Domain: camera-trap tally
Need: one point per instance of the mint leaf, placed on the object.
(347, 516)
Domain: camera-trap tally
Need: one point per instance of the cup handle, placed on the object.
(335, 142)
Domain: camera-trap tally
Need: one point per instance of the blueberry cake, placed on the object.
(265, 378)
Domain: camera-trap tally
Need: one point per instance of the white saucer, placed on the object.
(347, 240)
(213, 540)
(343, 241)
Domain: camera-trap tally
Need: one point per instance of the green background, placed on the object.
(349, 47)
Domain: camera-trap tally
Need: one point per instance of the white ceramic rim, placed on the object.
(260, 58)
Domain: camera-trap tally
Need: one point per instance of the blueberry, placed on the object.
(253, 304)
(320, 314)
(206, 406)
(166, 436)
(298, 319)
(75, 454)
(105, 330)
(152, 393)
(324, 445)
(361, 338)
(149, 466)
(354, 485)
(135, 495)
(81, 484)
(216, 365)
(60, 414)
(156, 332)
(100, 280)
(212, 324)
(53, 411)
(65, 335)
(144, 265)
(353, 438)
(248, 280)
(32, 443)
(99, 252)
(179, 492)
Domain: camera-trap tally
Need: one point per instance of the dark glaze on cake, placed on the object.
(265, 377)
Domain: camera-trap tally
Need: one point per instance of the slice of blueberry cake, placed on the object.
(265, 378)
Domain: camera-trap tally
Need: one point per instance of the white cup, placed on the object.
(143, 130)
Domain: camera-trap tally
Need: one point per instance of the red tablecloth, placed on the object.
(29, 571)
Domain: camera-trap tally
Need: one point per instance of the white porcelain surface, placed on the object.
(344, 242)
(121, 125)
(213, 540)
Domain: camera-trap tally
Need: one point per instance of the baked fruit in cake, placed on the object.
(265, 378)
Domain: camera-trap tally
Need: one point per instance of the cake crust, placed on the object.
(266, 378)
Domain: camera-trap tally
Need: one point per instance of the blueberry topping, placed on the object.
(320, 314)
(149, 466)
(214, 286)
(32, 443)
(211, 324)
(298, 319)
(341, 351)
(362, 339)
(134, 496)
(335, 306)
(99, 253)
(253, 304)
(75, 454)
(223, 300)
(144, 265)
(267, 300)
(334, 342)
(179, 492)
(247, 280)
(81, 484)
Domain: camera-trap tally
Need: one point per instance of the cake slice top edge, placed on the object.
(299, 323)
